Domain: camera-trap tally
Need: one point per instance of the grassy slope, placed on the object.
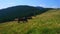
(46, 23)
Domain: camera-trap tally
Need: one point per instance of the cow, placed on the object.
(24, 19)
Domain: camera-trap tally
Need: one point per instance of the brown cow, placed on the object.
(24, 19)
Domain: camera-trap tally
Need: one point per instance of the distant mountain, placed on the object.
(38, 7)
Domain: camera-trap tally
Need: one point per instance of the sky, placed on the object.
(42, 3)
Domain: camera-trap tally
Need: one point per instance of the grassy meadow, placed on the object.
(46, 23)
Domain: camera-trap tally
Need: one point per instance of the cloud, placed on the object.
(48, 6)
(42, 5)
(6, 5)
(54, 7)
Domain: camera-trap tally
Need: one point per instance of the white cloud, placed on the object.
(42, 5)
(48, 6)
(54, 7)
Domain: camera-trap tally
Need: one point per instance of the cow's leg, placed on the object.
(19, 20)
(25, 19)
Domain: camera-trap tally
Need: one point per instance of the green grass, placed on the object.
(46, 23)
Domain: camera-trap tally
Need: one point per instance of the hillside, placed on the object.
(46, 23)
(20, 11)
